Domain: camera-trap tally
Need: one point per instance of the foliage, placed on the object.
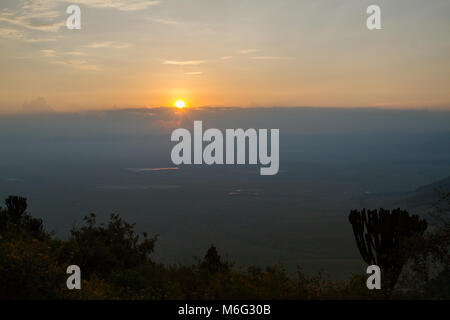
(428, 274)
(30, 270)
(116, 264)
(100, 249)
(16, 222)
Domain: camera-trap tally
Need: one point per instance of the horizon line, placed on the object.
(221, 107)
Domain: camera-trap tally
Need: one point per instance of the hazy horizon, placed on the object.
(35, 109)
(331, 161)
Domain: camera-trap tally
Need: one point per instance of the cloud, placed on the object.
(109, 44)
(39, 19)
(123, 5)
(33, 40)
(50, 15)
(265, 58)
(247, 51)
(184, 63)
(75, 53)
(14, 34)
(79, 64)
(74, 63)
(226, 57)
(48, 52)
(38, 105)
(165, 21)
(11, 34)
(194, 73)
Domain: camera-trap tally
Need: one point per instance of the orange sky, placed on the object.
(233, 53)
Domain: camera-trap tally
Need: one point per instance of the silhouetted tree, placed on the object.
(101, 249)
(212, 261)
(380, 235)
(16, 222)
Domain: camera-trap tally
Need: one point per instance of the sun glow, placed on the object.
(180, 104)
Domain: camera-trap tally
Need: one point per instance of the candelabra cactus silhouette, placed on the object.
(379, 235)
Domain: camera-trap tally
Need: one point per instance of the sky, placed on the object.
(247, 53)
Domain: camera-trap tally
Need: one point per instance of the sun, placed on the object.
(180, 104)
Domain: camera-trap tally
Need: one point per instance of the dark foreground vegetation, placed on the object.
(116, 262)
